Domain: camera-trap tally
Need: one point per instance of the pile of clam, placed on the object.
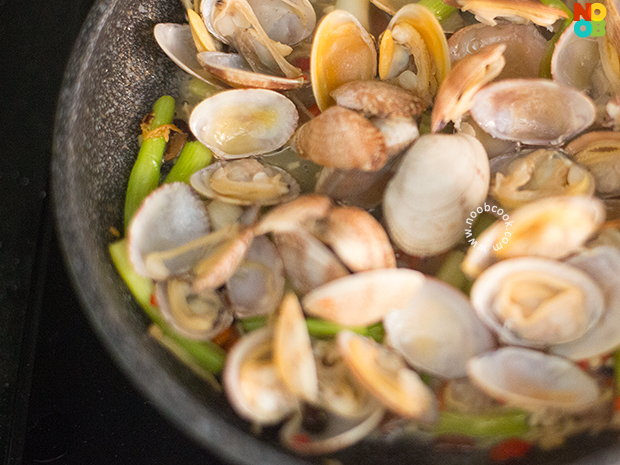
(245, 240)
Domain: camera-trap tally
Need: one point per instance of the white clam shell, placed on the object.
(253, 383)
(533, 381)
(602, 264)
(532, 111)
(244, 122)
(438, 331)
(168, 218)
(441, 180)
(539, 319)
(250, 180)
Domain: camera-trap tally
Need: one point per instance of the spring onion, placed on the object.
(193, 157)
(512, 423)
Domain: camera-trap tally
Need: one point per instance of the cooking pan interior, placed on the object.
(115, 74)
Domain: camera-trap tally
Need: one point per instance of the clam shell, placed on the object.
(244, 122)
(247, 182)
(357, 238)
(532, 111)
(257, 286)
(537, 302)
(386, 376)
(252, 381)
(533, 381)
(232, 69)
(523, 11)
(290, 216)
(364, 298)
(602, 264)
(553, 227)
(200, 315)
(398, 133)
(170, 217)
(342, 51)
(341, 138)
(437, 330)
(293, 352)
(441, 180)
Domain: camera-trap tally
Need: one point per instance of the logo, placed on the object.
(590, 21)
(499, 212)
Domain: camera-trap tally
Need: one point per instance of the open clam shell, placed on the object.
(386, 376)
(523, 11)
(244, 122)
(533, 381)
(602, 264)
(532, 111)
(438, 330)
(290, 216)
(363, 298)
(537, 302)
(169, 218)
(253, 383)
(197, 315)
(553, 227)
(245, 182)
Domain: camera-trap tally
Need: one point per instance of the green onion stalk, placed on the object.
(441, 11)
(545, 63)
(192, 158)
(145, 174)
(205, 354)
(509, 424)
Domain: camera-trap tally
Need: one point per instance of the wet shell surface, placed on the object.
(532, 111)
(441, 180)
(170, 217)
(342, 51)
(532, 380)
(245, 182)
(520, 11)
(363, 298)
(537, 302)
(438, 330)
(244, 122)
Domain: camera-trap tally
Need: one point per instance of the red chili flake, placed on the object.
(302, 438)
(227, 338)
(584, 365)
(154, 301)
(314, 109)
(617, 404)
(303, 63)
(510, 449)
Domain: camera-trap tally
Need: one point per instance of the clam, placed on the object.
(236, 23)
(521, 11)
(599, 152)
(537, 302)
(525, 46)
(530, 175)
(223, 214)
(386, 376)
(292, 351)
(196, 315)
(602, 264)
(413, 51)
(177, 42)
(438, 331)
(441, 180)
(494, 147)
(244, 122)
(307, 261)
(342, 51)
(257, 286)
(363, 298)
(235, 71)
(169, 218)
(291, 216)
(245, 182)
(253, 383)
(532, 111)
(457, 91)
(285, 21)
(533, 381)
(553, 227)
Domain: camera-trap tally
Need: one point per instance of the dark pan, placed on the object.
(115, 74)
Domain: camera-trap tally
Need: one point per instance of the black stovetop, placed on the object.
(62, 399)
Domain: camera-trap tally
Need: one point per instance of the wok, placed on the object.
(115, 74)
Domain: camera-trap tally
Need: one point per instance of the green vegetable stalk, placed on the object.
(145, 174)
(450, 271)
(439, 9)
(545, 63)
(501, 425)
(206, 354)
(193, 157)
